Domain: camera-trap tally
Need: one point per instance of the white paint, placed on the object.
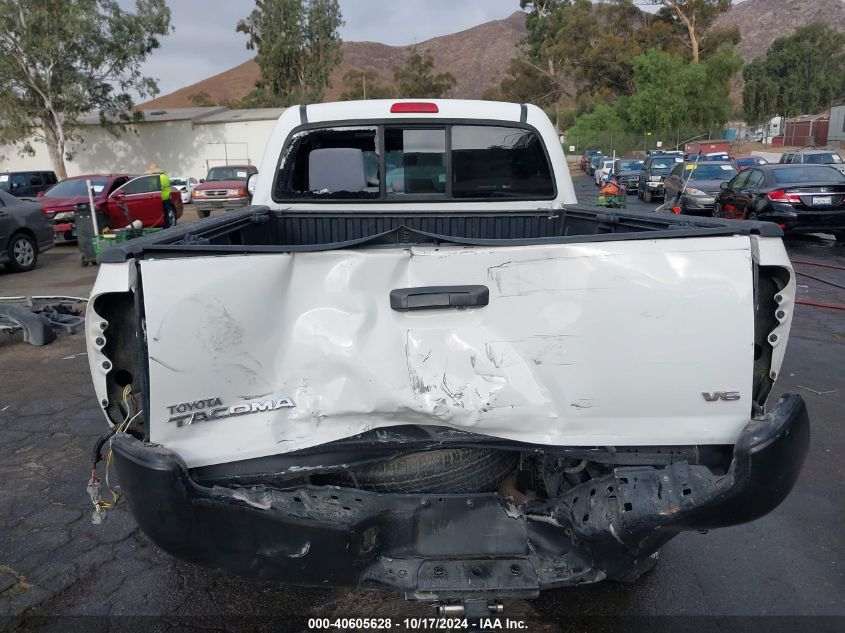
(770, 251)
(110, 278)
(583, 344)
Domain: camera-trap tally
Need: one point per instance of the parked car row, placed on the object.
(119, 199)
(804, 192)
(799, 197)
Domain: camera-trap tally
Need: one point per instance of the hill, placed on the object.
(477, 57)
(761, 22)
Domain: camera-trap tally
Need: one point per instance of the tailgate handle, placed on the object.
(435, 297)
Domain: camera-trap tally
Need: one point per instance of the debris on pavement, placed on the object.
(40, 316)
(818, 393)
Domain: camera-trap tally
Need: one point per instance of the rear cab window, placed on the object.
(414, 162)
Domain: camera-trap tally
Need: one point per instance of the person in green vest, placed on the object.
(166, 203)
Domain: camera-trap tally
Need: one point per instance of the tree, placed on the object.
(706, 89)
(603, 121)
(715, 38)
(759, 93)
(696, 16)
(524, 83)
(417, 79)
(800, 74)
(578, 51)
(673, 94)
(604, 127)
(658, 105)
(200, 99)
(364, 84)
(297, 44)
(62, 59)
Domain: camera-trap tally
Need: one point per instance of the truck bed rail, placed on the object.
(257, 229)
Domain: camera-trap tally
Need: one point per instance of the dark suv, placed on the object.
(26, 184)
(628, 170)
(655, 169)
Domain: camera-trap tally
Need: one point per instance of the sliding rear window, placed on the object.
(408, 163)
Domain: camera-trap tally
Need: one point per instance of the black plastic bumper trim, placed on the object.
(438, 547)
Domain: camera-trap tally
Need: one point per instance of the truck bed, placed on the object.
(257, 229)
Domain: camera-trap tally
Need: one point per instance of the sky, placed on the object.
(204, 41)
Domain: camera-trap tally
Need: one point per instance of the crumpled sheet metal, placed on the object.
(601, 344)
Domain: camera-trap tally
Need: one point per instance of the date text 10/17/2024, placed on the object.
(416, 624)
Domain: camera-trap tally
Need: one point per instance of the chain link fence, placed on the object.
(631, 144)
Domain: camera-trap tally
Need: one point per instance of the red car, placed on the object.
(121, 197)
(224, 188)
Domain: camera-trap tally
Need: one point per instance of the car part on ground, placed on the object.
(37, 317)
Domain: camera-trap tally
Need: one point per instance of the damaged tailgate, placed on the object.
(594, 344)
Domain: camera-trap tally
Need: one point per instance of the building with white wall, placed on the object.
(183, 142)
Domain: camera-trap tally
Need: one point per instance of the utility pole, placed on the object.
(364, 81)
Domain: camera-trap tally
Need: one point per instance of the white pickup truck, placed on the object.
(416, 364)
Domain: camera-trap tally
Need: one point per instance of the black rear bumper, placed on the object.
(440, 547)
(805, 221)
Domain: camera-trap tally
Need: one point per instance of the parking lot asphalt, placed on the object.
(53, 561)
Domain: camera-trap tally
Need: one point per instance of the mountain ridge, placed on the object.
(478, 57)
(761, 22)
